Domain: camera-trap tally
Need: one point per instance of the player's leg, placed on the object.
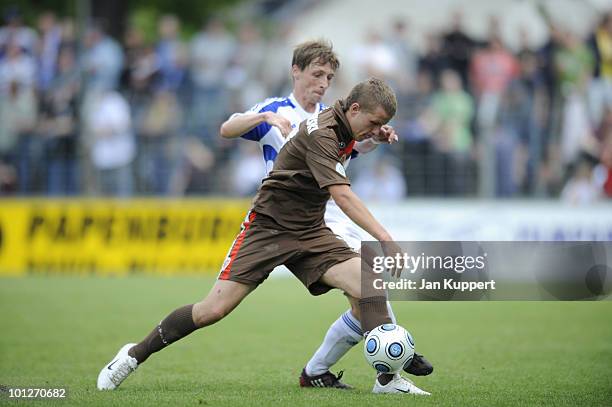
(343, 334)
(419, 366)
(246, 266)
(335, 265)
(224, 296)
(372, 310)
(220, 301)
(348, 277)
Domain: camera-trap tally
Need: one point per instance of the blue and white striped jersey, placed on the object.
(269, 137)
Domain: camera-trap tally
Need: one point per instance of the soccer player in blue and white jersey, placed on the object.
(271, 124)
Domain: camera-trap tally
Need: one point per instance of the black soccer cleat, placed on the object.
(418, 366)
(327, 379)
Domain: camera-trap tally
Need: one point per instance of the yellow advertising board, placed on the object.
(117, 236)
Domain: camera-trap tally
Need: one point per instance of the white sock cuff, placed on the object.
(353, 324)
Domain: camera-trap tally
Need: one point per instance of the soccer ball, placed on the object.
(388, 348)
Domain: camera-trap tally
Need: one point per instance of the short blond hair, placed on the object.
(319, 51)
(372, 93)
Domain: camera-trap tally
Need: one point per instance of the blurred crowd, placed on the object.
(133, 117)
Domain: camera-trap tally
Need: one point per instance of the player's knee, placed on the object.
(218, 312)
(352, 290)
(204, 316)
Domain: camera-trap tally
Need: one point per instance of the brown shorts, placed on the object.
(262, 245)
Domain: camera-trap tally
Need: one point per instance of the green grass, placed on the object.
(59, 331)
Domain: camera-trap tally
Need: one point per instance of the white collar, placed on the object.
(300, 110)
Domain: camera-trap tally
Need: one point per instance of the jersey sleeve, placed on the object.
(262, 129)
(257, 132)
(323, 161)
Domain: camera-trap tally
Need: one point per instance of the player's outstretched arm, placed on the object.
(354, 208)
(238, 125)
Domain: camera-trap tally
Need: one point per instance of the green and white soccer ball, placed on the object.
(388, 348)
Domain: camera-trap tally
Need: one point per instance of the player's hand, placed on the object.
(392, 249)
(280, 122)
(386, 135)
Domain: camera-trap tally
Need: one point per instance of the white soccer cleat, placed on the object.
(399, 385)
(114, 373)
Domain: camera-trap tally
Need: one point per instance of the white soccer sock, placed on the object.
(342, 335)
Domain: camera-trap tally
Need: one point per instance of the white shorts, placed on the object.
(344, 227)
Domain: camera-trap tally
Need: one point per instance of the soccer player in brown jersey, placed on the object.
(286, 226)
(269, 123)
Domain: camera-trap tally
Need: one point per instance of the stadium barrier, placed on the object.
(194, 235)
(482, 220)
(117, 236)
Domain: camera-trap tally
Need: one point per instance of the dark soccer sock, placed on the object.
(172, 328)
(373, 312)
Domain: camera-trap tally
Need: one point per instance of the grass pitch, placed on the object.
(59, 331)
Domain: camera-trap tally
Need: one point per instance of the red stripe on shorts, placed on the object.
(237, 243)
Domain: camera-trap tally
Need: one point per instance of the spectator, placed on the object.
(157, 136)
(433, 60)
(111, 144)
(547, 71)
(513, 124)
(15, 32)
(581, 189)
(576, 130)
(452, 112)
(17, 67)
(212, 50)
(453, 109)
(48, 49)
(244, 73)
(102, 60)
(413, 122)
(523, 116)
(140, 73)
(492, 69)
(140, 60)
(171, 55)
(574, 64)
(374, 57)
(194, 171)
(275, 75)
(68, 32)
(600, 90)
(457, 48)
(59, 126)
(19, 148)
(399, 43)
